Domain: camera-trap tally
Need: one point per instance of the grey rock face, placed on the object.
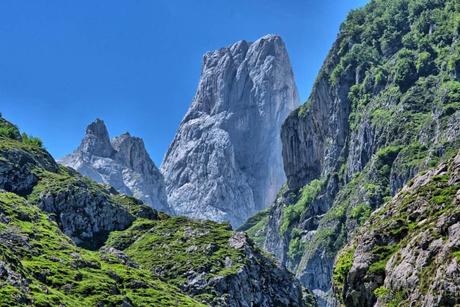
(275, 286)
(225, 161)
(314, 138)
(96, 141)
(16, 165)
(123, 164)
(86, 216)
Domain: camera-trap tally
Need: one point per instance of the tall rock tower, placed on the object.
(225, 162)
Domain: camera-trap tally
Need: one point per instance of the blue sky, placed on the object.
(136, 63)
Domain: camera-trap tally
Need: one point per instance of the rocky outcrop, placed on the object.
(122, 163)
(96, 141)
(16, 164)
(408, 252)
(86, 215)
(225, 161)
(277, 287)
(210, 262)
(314, 138)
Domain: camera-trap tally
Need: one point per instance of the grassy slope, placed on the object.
(42, 266)
(58, 272)
(183, 249)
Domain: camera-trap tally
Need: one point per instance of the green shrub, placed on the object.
(31, 140)
(381, 292)
(457, 256)
(255, 227)
(381, 117)
(342, 267)
(293, 212)
(361, 213)
(384, 254)
(451, 91)
(386, 155)
(405, 72)
(424, 64)
(8, 130)
(296, 245)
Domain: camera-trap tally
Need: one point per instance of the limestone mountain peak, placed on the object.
(96, 140)
(122, 163)
(225, 161)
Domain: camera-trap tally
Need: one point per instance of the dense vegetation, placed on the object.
(8, 130)
(404, 58)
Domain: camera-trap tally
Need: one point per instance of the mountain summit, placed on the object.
(122, 163)
(225, 162)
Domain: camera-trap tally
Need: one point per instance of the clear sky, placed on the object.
(136, 63)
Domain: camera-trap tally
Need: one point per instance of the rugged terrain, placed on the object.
(384, 107)
(122, 163)
(369, 214)
(68, 241)
(408, 252)
(225, 162)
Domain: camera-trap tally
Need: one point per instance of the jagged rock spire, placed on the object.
(225, 161)
(96, 141)
(131, 150)
(123, 163)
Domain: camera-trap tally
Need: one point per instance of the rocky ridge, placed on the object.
(225, 161)
(122, 163)
(217, 261)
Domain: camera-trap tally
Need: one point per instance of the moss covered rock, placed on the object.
(208, 261)
(41, 266)
(407, 252)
